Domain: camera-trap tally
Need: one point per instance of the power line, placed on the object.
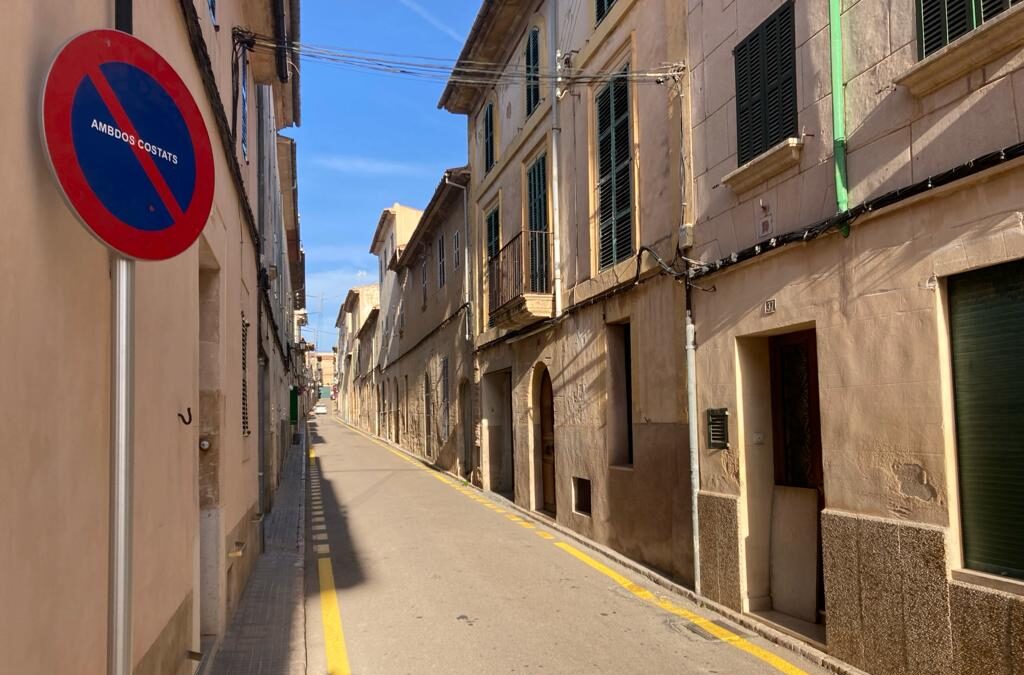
(431, 68)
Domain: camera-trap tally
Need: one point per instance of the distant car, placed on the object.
(320, 409)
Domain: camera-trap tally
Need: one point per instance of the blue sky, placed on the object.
(369, 140)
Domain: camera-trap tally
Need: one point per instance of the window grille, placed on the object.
(245, 376)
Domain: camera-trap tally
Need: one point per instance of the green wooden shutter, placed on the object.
(749, 127)
(537, 212)
(766, 104)
(532, 71)
(489, 137)
(940, 22)
(990, 8)
(780, 76)
(615, 188)
(601, 9)
(493, 235)
(986, 310)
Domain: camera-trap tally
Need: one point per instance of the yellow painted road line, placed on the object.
(714, 629)
(334, 635)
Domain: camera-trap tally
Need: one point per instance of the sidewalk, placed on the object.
(267, 635)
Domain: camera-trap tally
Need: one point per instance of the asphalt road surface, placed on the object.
(409, 571)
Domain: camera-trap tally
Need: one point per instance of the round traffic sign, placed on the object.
(128, 145)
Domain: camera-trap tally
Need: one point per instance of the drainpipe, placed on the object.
(261, 215)
(838, 107)
(465, 254)
(556, 136)
(691, 413)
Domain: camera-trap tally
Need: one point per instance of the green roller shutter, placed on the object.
(986, 310)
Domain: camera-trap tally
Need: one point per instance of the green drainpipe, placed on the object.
(838, 108)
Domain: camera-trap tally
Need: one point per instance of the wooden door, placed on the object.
(547, 437)
(799, 493)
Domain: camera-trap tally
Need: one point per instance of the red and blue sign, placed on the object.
(128, 145)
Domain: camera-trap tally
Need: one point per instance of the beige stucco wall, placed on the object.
(876, 301)
(56, 276)
(642, 511)
(427, 332)
(800, 196)
(881, 270)
(397, 225)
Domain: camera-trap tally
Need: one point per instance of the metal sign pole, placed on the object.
(85, 167)
(122, 417)
(121, 428)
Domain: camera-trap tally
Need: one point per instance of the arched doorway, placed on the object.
(544, 442)
(398, 413)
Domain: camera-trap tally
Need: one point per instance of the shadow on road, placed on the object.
(348, 571)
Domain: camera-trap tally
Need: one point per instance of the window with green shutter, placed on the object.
(537, 220)
(766, 106)
(940, 22)
(532, 71)
(493, 234)
(602, 8)
(488, 137)
(441, 272)
(615, 183)
(986, 317)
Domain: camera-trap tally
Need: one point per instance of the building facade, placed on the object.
(395, 226)
(323, 370)
(858, 242)
(575, 156)
(828, 193)
(352, 314)
(427, 382)
(212, 366)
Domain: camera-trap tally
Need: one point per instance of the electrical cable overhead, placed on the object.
(569, 26)
(438, 69)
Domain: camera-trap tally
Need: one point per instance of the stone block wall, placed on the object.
(892, 610)
(719, 549)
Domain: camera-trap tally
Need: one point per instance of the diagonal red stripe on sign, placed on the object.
(106, 93)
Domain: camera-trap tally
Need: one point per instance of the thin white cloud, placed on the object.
(370, 166)
(433, 20)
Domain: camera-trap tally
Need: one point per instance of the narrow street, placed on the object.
(432, 577)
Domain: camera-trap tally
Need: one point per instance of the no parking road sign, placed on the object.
(127, 145)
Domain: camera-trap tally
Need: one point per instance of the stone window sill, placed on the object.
(989, 581)
(769, 163)
(981, 46)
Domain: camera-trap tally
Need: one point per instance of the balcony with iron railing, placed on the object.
(519, 288)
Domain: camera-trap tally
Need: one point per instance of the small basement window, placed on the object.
(581, 495)
(718, 428)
